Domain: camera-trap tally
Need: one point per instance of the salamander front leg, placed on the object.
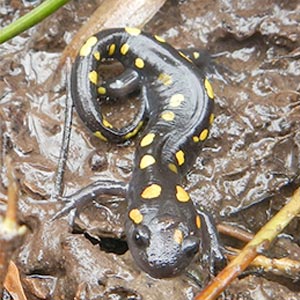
(82, 197)
(212, 251)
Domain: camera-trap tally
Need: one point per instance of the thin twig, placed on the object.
(58, 187)
(259, 243)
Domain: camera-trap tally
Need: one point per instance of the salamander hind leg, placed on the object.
(121, 86)
(125, 86)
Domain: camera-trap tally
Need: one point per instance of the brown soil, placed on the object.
(248, 169)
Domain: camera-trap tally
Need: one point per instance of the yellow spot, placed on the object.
(203, 135)
(195, 139)
(132, 30)
(211, 118)
(147, 139)
(87, 47)
(97, 55)
(102, 90)
(159, 38)
(134, 131)
(198, 222)
(124, 49)
(111, 49)
(176, 100)
(106, 123)
(196, 55)
(168, 116)
(151, 191)
(146, 161)
(136, 216)
(184, 56)
(99, 135)
(180, 157)
(93, 77)
(166, 79)
(173, 168)
(181, 194)
(178, 236)
(139, 63)
(209, 89)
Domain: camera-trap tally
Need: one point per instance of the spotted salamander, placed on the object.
(164, 229)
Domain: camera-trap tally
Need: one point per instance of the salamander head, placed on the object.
(162, 246)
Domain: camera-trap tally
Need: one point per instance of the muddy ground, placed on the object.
(248, 169)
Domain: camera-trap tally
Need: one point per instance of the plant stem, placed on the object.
(30, 19)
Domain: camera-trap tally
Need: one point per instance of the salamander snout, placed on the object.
(162, 252)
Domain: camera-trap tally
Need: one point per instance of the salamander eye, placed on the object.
(190, 245)
(141, 236)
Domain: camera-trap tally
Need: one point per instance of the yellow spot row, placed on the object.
(124, 49)
(93, 77)
(198, 222)
(184, 56)
(151, 191)
(211, 119)
(102, 90)
(176, 100)
(202, 137)
(196, 54)
(134, 131)
(87, 47)
(97, 55)
(181, 194)
(136, 216)
(173, 168)
(178, 236)
(180, 157)
(166, 79)
(100, 136)
(106, 123)
(111, 49)
(146, 161)
(139, 63)
(133, 31)
(159, 39)
(154, 190)
(209, 89)
(147, 139)
(168, 116)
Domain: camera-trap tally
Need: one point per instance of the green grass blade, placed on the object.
(30, 19)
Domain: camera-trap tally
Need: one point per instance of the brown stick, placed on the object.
(260, 242)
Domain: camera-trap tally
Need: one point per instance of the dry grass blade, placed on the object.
(13, 283)
(11, 234)
(110, 14)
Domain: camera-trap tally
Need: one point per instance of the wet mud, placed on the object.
(248, 169)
